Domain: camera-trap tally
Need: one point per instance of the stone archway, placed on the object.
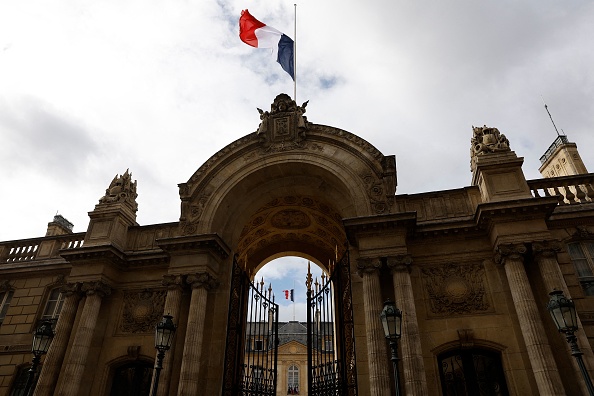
(282, 189)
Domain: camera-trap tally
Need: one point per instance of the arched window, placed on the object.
(472, 372)
(293, 380)
(582, 257)
(132, 379)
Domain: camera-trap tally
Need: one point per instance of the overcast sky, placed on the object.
(89, 89)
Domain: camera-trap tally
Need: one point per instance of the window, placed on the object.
(582, 256)
(293, 380)
(53, 306)
(5, 298)
(470, 372)
(327, 344)
(258, 345)
(20, 381)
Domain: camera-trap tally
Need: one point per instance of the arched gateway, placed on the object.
(285, 189)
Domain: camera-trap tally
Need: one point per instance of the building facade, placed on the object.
(470, 268)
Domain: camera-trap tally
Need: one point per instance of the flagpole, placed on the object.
(293, 299)
(295, 60)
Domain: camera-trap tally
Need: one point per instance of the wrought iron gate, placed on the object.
(252, 338)
(330, 333)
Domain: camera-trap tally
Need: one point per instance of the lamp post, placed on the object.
(164, 332)
(562, 311)
(391, 318)
(42, 338)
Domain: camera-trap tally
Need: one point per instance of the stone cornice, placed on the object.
(114, 256)
(371, 224)
(209, 242)
(514, 210)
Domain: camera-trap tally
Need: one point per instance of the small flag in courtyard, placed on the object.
(289, 294)
(259, 35)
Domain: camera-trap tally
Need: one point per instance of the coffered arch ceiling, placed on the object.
(289, 224)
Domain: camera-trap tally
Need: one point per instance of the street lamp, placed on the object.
(392, 321)
(562, 311)
(164, 332)
(42, 338)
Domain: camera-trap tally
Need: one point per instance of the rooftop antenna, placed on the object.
(550, 116)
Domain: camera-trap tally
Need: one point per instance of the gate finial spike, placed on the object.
(308, 276)
(262, 284)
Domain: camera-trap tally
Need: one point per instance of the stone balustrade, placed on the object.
(31, 249)
(571, 190)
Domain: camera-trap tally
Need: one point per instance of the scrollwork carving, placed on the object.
(202, 280)
(456, 289)
(70, 289)
(368, 265)
(173, 281)
(99, 288)
(514, 251)
(400, 263)
(121, 189)
(546, 248)
(488, 140)
(142, 310)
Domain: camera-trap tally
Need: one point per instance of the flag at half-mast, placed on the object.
(259, 35)
(289, 294)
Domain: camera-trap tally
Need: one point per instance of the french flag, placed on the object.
(257, 34)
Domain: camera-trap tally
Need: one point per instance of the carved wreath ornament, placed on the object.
(142, 310)
(456, 289)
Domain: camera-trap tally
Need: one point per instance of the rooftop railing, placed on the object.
(570, 190)
(560, 140)
(31, 249)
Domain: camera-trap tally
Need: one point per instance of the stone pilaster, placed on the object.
(77, 359)
(201, 283)
(545, 254)
(174, 284)
(539, 351)
(55, 355)
(379, 377)
(415, 381)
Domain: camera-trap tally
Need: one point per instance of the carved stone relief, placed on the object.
(142, 310)
(121, 189)
(456, 289)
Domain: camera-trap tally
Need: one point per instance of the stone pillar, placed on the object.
(77, 359)
(201, 283)
(545, 254)
(415, 381)
(539, 351)
(379, 377)
(174, 284)
(55, 355)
